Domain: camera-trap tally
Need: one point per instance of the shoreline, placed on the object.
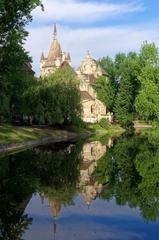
(63, 137)
(14, 138)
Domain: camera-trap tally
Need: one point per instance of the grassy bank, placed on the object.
(12, 134)
(96, 128)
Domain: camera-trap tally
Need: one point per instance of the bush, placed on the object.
(104, 123)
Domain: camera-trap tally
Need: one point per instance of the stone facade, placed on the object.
(93, 109)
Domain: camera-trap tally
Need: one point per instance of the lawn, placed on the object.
(98, 129)
(13, 134)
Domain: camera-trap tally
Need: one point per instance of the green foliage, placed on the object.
(21, 84)
(55, 100)
(14, 15)
(104, 123)
(105, 91)
(135, 80)
(127, 91)
(120, 91)
(130, 168)
(147, 101)
(108, 65)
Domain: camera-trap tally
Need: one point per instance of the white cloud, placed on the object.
(101, 41)
(79, 11)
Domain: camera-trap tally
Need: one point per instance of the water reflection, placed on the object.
(91, 153)
(125, 169)
(130, 173)
(50, 172)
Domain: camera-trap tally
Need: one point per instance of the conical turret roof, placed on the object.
(55, 50)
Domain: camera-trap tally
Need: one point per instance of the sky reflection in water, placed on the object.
(101, 221)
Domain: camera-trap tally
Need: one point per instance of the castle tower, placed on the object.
(88, 72)
(55, 50)
(56, 58)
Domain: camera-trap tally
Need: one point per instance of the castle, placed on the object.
(93, 109)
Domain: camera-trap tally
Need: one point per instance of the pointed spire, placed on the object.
(55, 51)
(88, 55)
(68, 56)
(42, 57)
(55, 31)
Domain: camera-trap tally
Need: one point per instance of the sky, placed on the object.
(103, 27)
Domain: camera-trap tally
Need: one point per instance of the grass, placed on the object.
(12, 134)
(96, 128)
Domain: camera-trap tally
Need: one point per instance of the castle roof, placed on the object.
(55, 50)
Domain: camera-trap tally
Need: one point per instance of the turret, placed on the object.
(42, 57)
(55, 50)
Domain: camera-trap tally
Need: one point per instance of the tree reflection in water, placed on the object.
(54, 172)
(130, 173)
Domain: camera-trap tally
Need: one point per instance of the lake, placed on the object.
(88, 190)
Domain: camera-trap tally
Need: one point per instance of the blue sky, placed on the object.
(105, 27)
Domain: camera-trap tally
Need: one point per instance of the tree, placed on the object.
(22, 83)
(127, 90)
(105, 91)
(108, 65)
(147, 101)
(55, 99)
(14, 15)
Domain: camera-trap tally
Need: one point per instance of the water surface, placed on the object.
(107, 189)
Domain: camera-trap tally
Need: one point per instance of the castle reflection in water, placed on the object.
(88, 187)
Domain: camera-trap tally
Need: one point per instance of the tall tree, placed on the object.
(105, 91)
(147, 101)
(127, 91)
(14, 15)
